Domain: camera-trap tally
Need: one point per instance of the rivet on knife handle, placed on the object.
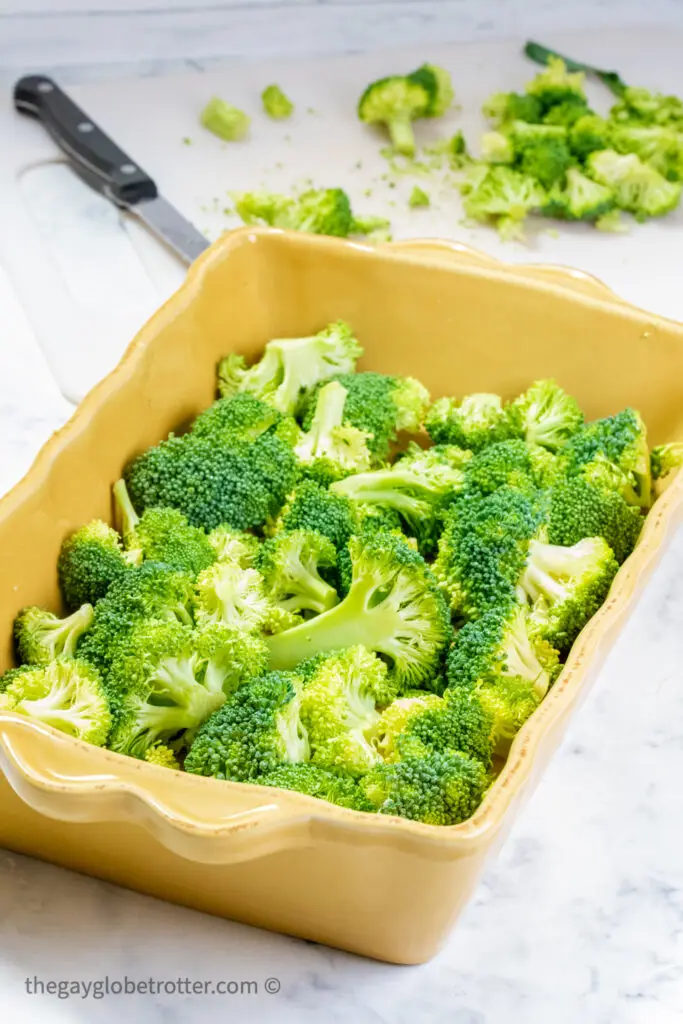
(91, 153)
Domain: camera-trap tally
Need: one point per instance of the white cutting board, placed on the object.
(88, 277)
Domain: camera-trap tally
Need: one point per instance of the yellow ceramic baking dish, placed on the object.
(380, 886)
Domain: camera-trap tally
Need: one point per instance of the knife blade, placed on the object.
(104, 166)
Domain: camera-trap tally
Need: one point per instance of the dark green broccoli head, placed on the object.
(254, 733)
(439, 87)
(41, 636)
(505, 107)
(239, 417)
(90, 560)
(524, 467)
(510, 701)
(578, 509)
(312, 507)
(471, 422)
(568, 112)
(164, 535)
(238, 484)
(545, 414)
(588, 134)
(311, 780)
(547, 161)
(440, 789)
(621, 440)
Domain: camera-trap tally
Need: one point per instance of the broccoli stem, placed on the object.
(402, 136)
(126, 516)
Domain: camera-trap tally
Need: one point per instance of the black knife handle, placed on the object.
(91, 153)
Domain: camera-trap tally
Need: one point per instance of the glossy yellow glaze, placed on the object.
(461, 322)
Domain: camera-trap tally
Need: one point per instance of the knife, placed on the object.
(104, 166)
(541, 54)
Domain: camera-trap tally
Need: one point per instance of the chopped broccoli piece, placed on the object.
(236, 597)
(324, 211)
(67, 694)
(566, 585)
(578, 509)
(162, 756)
(546, 415)
(224, 120)
(41, 636)
(310, 780)
(588, 134)
(621, 440)
(312, 507)
(568, 112)
(440, 789)
(399, 100)
(665, 458)
(555, 84)
(418, 197)
(276, 104)
(90, 560)
(471, 422)
(238, 484)
(497, 148)
(503, 196)
(241, 417)
(502, 645)
(638, 188)
(510, 701)
(580, 199)
(290, 564)
(377, 229)
(524, 467)
(661, 148)
(329, 442)
(379, 405)
(505, 107)
(233, 546)
(393, 607)
(638, 106)
(163, 535)
(339, 709)
(254, 733)
(541, 152)
(291, 367)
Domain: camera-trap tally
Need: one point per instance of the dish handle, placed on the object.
(202, 820)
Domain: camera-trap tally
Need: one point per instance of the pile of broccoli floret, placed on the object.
(549, 153)
(333, 585)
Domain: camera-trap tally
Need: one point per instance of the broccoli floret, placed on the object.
(661, 148)
(241, 417)
(151, 592)
(504, 107)
(235, 597)
(290, 564)
(160, 687)
(67, 694)
(312, 507)
(292, 367)
(229, 657)
(379, 405)
(418, 197)
(638, 188)
(588, 134)
(90, 560)
(638, 106)
(580, 199)
(622, 440)
(276, 104)
(578, 509)
(665, 458)
(568, 112)
(546, 415)
(547, 160)
(393, 607)
(377, 229)
(566, 585)
(497, 148)
(471, 422)
(483, 549)
(41, 636)
(556, 85)
(233, 546)
(329, 446)
(238, 484)
(322, 211)
(163, 535)
(420, 725)
(254, 733)
(504, 197)
(310, 780)
(224, 120)
(513, 463)
(440, 789)
(399, 100)
(162, 756)
(419, 486)
(502, 645)
(510, 701)
(339, 709)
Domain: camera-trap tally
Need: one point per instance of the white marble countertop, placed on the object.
(581, 916)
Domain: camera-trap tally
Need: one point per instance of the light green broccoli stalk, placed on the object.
(566, 586)
(340, 448)
(41, 636)
(291, 367)
(339, 709)
(440, 789)
(290, 564)
(638, 188)
(224, 120)
(393, 607)
(67, 694)
(276, 104)
(254, 733)
(545, 414)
